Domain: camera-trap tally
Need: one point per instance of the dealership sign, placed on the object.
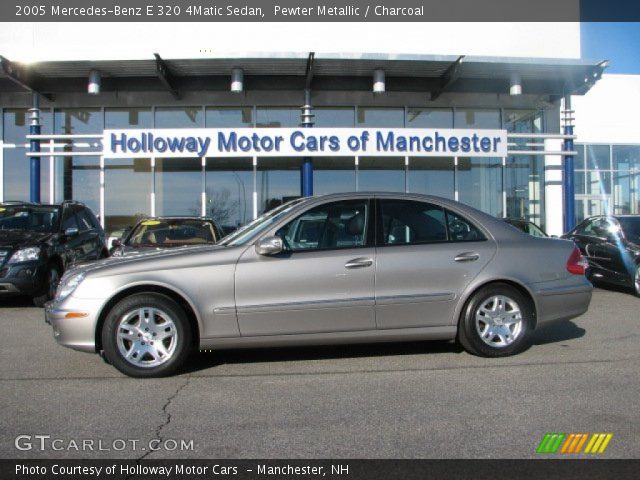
(304, 142)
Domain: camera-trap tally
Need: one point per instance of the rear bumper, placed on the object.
(562, 301)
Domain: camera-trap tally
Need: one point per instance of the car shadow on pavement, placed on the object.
(16, 302)
(207, 359)
(557, 332)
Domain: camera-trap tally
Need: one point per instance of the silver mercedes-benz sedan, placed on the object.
(344, 268)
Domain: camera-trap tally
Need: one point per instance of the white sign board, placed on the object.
(304, 142)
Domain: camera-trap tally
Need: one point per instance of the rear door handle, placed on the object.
(359, 263)
(467, 257)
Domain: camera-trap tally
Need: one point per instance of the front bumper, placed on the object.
(26, 278)
(74, 323)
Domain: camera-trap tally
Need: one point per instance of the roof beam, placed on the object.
(166, 77)
(20, 75)
(309, 74)
(448, 78)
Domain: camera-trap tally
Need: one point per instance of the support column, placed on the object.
(34, 147)
(306, 171)
(568, 176)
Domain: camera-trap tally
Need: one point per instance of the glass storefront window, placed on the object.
(128, 118)
(278, 181)
(333, 175)
(477, 118)
(382, 174)
(578, 182)
(178, 184)
(626, 157)
(598, 157)
(380, 117)
(179, 117)
(480, 184)
(16, 171)
(329, 117)
(78, 178)
(522, 121)
(229, 191)
(578, 160)
(278, 117)
(626, 193)
(229, 117)
(429, 118)
(598, 183)
(127, 192)
(431, 176)
(524, 184)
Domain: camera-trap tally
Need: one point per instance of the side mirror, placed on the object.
(71, 232)
(269, 246)
(116, 243)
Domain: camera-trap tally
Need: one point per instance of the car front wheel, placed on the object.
(497, 322)
(146, 335)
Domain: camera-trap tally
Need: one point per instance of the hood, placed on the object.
(23, 238)
(154, 259)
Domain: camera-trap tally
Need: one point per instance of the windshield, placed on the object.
(245, 234)
(631, 228)
(171, 233)
(30, 218)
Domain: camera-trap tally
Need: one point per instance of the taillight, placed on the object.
(577, 264)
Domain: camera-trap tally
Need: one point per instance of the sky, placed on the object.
(618, 42)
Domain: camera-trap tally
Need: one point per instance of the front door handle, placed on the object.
(467, 257)
(359, 263)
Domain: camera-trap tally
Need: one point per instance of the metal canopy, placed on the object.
(434, 73)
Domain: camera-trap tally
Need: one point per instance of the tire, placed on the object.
(497, 321)
(51, 281)
(130, 338)
(635, 281)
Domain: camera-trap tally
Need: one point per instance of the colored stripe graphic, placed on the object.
(574, 443)
(551, 442)
(598, 443)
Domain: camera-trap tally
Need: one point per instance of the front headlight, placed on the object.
(25, 255)
(68, 285)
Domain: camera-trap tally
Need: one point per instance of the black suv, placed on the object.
(39, 242)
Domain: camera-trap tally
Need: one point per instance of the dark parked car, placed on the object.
(159, 233)
(611, 244)
(526, 226)
(39, 242)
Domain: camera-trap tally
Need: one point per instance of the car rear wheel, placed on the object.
(51, 282)
(636, 281)
(497, 322)
(146, 335)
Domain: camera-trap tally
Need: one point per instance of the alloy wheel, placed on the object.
(146, 337)
(498, 321)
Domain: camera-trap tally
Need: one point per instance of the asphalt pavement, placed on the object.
(411, 400)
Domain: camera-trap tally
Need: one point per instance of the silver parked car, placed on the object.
(345, 268)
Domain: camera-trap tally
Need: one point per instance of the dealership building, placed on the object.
(562, 141)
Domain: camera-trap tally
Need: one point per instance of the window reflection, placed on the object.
(333, 175)
(334, 117)
(278, 181)
(431, 176)
(477, 118)
(380, 117)
(228, 117)
(179, 117)
(128, 118)
(127, 192)
(429, 118)
(229, 191)
(524, 184)
(383, 174)
(279, 117)
(480, 184)
(178, 184)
